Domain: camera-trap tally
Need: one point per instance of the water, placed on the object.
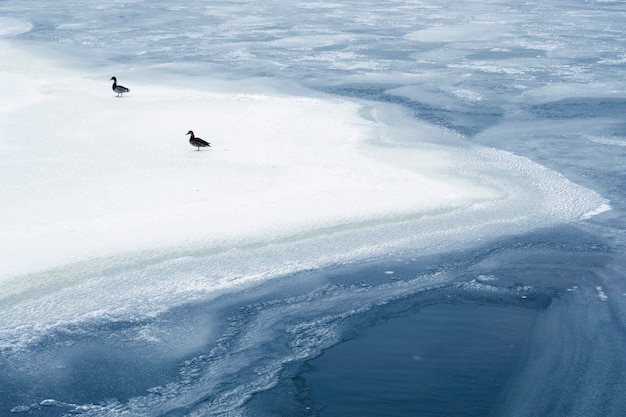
(514, 309)
(445, 360)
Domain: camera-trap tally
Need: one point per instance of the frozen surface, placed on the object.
(89, 178)
(456, 141)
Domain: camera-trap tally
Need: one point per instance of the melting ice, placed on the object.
(120, 241)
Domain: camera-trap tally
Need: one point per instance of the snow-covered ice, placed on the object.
(92, 177)
(468, 150)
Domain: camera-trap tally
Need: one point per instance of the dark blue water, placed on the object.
(445, 360)
(482, 346)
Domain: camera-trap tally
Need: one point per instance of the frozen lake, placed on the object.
(408, 208)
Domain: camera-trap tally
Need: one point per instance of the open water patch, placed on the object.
(446, 360)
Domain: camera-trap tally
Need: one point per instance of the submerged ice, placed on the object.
(340, 133)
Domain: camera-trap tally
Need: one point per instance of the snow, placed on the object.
(601, 294)
(291, 182)
(10, 26)
(90, 176)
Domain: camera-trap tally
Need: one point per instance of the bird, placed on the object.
(197, 142)
(119, 89)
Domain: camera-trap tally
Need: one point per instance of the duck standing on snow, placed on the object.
(119, 89)
(197, 142)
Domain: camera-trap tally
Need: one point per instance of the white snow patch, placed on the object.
(471, 32)
(602, 208)
(605, 140)
(10, 26)
(296, 181)
(485, 278)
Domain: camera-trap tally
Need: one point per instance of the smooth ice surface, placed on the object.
(458, 151)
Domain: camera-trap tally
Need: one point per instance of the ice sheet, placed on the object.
(87, 176)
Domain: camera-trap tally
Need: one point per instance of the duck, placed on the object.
(197, 142)
(119, 89)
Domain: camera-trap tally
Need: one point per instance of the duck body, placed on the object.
(119, 89)
(197, 142)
